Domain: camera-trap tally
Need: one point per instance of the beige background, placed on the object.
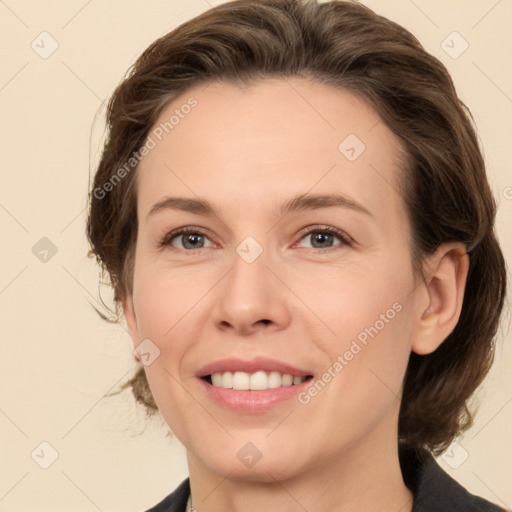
(58, 358)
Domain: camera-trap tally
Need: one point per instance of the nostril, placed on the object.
(265, 321)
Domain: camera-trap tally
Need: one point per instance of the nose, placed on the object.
(251, 298)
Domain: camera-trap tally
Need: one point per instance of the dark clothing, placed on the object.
(433, 489)
(176, 501)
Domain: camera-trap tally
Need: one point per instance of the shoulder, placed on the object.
(176, 501)
(436, 491)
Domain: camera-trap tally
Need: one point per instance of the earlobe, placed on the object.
(445, 284)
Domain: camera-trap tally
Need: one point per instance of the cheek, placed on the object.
(366, 312)
(163, 305)
(368, 353)
(353, 298)
(167, 304)
(163, 298)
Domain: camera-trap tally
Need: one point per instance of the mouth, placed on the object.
(257, 381)
(252, 386)
(256, 374)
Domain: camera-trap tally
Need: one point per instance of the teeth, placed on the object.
(240, 380)
(257, 381)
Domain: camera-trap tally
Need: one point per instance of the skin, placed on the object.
(247, 150)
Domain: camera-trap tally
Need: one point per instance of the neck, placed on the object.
(365, 477)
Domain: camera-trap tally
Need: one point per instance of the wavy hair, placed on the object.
(443, 181)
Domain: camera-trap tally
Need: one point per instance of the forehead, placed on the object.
(269, 141)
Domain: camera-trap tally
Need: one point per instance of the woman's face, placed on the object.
(299, 265)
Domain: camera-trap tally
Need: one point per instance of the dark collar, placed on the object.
(176, 501)
(434, 490)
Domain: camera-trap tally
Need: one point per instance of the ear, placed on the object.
(444, 284)
(131, 319)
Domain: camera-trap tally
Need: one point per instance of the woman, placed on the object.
(294, 214)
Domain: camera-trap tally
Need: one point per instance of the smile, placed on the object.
(252, 386)
(258, 381)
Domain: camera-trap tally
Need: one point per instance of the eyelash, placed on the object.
(343, 237)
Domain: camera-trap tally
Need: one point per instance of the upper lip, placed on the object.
(250, 366)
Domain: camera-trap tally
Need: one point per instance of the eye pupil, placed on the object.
(321, 238)
(194, 239)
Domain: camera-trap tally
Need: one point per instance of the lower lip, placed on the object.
(252, 401)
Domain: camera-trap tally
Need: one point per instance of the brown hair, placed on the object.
(443, 183)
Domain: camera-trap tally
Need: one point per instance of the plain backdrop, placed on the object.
(59, 359)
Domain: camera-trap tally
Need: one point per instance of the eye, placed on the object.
(323, 237)
(188, 238)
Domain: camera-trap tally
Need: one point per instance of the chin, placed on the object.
(251, 465)
(262, 473)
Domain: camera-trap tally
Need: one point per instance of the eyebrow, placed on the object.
(299, 203)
